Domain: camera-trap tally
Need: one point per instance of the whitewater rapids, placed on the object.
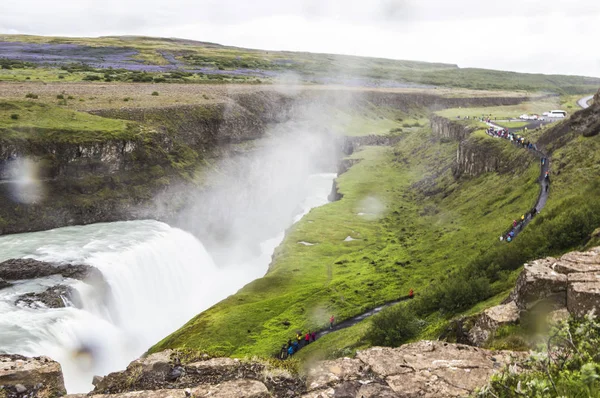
(159, 278)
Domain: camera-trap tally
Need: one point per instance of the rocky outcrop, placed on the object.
(27, 268)
(572, 281)
(423, 369)
(450, 130)
(490, 320)
(548, 288)
(540, 282)
(53, 297)
(22, 377)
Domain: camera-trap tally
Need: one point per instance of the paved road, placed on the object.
(584, 101)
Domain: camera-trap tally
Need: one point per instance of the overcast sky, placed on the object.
(551, 36)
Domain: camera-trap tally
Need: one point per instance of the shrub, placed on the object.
(205, 96)
(61, 76)
(126, 99)
(32, 96)
(566, 365)
(393, 326)
(155, 93)
(14, 116)
(159, 80)
(457, 293)
(70, 97)
(91, 78)
(60, 97)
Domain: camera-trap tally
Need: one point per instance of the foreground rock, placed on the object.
(26, 268)
(491, 319)
(22, 377)
(423, 369)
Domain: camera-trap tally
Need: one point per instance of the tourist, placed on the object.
(314, 336)
(307, 338)
(331, 320)
(411, 293)
(290, 351)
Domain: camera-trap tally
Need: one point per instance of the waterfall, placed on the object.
(158, 277)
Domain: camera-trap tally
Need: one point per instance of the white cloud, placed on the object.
(522, 35)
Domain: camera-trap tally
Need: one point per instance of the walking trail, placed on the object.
(544, 184)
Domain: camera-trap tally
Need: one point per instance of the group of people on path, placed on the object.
(518, 225)
(301, 340)
(513, 138)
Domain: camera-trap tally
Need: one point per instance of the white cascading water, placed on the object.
(159, 278)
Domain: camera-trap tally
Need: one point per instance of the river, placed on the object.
(159, 278)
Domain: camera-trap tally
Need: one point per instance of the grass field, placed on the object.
(178, 60)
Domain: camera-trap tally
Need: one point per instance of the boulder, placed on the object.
(435, 369)
(583, 297)
(50, 298)
(540, 282)
(579, 262)
(148, 373)
(326, 373)
(27, 268)
(491, 319)
(240, 388)
(38, 377)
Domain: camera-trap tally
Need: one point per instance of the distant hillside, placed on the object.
(167, 59)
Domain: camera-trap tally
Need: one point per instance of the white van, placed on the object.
(557, 113)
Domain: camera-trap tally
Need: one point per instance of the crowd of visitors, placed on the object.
(299, 341)
(516, 139)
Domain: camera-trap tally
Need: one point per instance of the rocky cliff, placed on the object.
(477, 153)
(449, 129)
(84, 178)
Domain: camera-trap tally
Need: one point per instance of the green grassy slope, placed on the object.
(427, 225)
(28, 120)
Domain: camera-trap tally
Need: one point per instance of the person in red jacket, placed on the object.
(307, 338)
(411, 293)
(331, 320)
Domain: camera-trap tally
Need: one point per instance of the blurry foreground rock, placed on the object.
(22, 377)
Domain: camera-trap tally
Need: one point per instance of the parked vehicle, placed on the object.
(524, 117)
(558, 114)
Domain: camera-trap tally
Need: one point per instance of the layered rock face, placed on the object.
(450, 130)
(22, 377)
(423, 369)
